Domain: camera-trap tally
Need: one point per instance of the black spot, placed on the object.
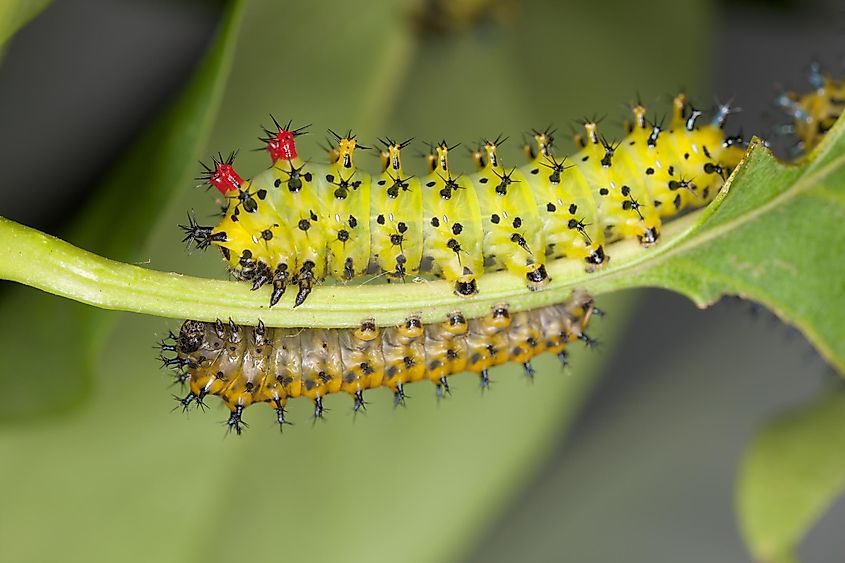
(573, 208)
(435, 222)
(650, 236)
(304, 224)
(711, 168)
(603, 191)
(626, 190)
(380, 219)
(343, 235)
(456, 319)
(550, 207)
(466, 288)
(267, 234)
(537, 275)
(494, 219)
(519, 240)
(649, 171)
(517, 222)
(353, 222)
(396, 240)
(596, 256)
(401, 227)
(457, 228)
(431, 184)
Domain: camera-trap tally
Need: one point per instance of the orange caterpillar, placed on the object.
(246, 365)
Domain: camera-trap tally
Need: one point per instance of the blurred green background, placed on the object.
(630, 455)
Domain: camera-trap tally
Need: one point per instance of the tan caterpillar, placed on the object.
(245, 365)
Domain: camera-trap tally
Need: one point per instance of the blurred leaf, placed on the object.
(792, 472)
(125, 206)
(14, 14)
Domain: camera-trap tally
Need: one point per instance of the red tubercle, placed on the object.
(223, 175)
(282, 146)
(281, 143)
(225, 178)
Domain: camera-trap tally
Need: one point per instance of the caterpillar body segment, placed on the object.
(453, 235)
(301, 222)
(395, 225)
(245, 365)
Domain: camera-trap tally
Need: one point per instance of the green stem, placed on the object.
(33, 258)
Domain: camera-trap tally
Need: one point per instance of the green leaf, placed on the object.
(161, 162)
(775, 236)
(14, 14)
(792, 473)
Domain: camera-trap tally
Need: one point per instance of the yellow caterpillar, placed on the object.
(299, 222)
